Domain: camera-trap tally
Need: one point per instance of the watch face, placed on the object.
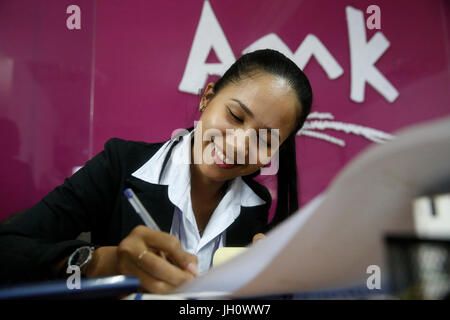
(81, 256)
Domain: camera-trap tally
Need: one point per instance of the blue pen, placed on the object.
(146, 217)
(140, 209)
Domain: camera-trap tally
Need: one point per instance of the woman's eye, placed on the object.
(234, 116)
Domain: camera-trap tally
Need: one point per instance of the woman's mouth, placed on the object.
(221, 160)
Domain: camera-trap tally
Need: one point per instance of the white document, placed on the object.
(331, 242)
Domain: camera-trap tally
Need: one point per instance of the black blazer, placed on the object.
(92, 200)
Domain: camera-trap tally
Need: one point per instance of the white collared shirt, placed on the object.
(177, 176)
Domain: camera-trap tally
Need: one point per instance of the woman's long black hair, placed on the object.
(277, 64)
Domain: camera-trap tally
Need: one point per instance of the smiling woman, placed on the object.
(261, 90)
(199, 206)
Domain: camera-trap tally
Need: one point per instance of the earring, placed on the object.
(202, 107)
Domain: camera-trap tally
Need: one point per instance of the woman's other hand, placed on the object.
(258, 237)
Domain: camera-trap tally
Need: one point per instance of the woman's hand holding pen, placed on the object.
(146, 253)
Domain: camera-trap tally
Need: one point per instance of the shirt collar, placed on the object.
(177, 174)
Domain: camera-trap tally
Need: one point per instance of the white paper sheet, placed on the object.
(330, 243)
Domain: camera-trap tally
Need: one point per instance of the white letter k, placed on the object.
(363, 57)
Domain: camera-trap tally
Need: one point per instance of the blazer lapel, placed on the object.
(155, 199)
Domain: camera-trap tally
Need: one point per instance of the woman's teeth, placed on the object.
(222, 156)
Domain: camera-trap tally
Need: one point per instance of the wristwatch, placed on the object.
(81, 256)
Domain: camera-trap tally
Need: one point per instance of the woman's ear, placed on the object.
(207, 96)
(210, 88)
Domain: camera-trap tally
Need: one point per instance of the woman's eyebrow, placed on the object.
(244, 107)
(247, 110)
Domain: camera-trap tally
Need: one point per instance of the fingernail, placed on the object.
(192, 267)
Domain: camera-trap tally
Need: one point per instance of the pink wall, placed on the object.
(63, 92)
(45, 81)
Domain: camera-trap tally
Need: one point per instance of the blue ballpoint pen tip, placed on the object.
(128, 193)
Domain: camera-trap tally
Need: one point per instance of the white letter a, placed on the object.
(73, 282)
(374, 281)
(74, 20)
